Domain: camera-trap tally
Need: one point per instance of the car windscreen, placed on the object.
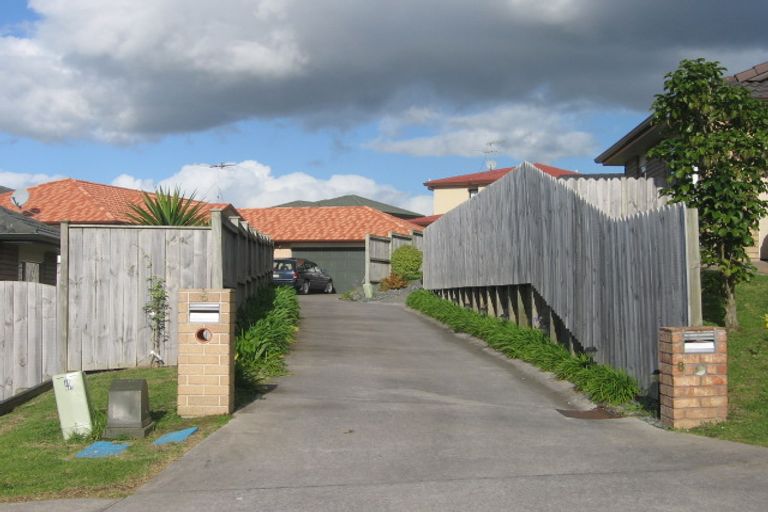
(282, 265)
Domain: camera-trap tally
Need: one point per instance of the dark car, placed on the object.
(304, 275)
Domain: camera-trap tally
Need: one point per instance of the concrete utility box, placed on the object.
(72, 404)
(693, 380)
(206, 352)
(128, 410)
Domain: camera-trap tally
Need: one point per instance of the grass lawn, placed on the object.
(747, 361)
(36, 463)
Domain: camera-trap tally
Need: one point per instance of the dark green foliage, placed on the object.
(167, 208)
(406, 262)
(392, 282)
(266, 326)
(716, 148)
(602, 384)
(712, 302)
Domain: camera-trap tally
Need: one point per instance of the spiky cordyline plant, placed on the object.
(167, 208)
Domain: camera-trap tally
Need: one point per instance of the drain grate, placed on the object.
(598, 413)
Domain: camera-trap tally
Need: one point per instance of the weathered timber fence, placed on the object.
(105, 273)
(29, 352)
(379, 250)
(533, 250)
(618, 196)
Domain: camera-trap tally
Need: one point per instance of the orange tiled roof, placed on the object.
(487, 177)
(81, 201)
(324, 223)
(427, 220)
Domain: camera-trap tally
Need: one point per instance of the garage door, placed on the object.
(345, 265)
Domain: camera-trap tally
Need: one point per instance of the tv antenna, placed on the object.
(222, 165)
(20, 197)
(489, 151)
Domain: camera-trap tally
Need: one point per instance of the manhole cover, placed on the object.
(598, 413)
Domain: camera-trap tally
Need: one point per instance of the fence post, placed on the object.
(523, 311)
(217, 257)
(693, 259)
(62, 299)
(367, 278)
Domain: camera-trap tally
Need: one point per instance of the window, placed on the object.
(472, 192)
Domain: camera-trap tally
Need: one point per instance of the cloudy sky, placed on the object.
(312, 99)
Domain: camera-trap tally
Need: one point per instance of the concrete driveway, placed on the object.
(384, 410)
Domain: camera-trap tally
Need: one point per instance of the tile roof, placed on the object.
(426, 221)
(754, 79)
(81, 201)
(355, 200)
(487, 177)
(324, 223)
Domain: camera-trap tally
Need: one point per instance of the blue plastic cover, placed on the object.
(101, 449)
(175, 437)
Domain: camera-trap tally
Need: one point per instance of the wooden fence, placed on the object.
(530, 248)
(105, 273)
(379, 250)
(29, 351)
(617, 196)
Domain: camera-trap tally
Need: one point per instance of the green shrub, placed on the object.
(601, 383)
(266, 326)
(392, 282)
(406, 262)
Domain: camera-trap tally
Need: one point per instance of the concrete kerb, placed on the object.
(64, 505)
(548, 380)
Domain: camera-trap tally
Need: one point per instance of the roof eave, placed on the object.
(625, 147)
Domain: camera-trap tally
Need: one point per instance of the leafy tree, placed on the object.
(167, 208)
(715, 144)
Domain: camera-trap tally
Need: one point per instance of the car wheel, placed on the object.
(304, 288)
(328, 287)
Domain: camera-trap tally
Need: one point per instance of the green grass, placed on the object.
(36, 463)
(601, 383)
(747, 360)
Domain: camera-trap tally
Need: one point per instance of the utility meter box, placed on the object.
(128, 409)
(72, 404)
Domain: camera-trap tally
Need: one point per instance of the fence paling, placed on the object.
(108, 281)
(379, 250)
(28, 349)
(611, 280)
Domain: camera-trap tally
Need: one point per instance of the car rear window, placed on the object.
(283, 265)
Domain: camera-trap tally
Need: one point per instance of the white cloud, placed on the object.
(523, 132)
(250, 184)
(17, 180)
(129, 70)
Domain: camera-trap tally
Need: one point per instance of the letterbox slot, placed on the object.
(699, 342)
(204, 312)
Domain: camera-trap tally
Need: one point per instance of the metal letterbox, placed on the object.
(204, 312)
(698, 342)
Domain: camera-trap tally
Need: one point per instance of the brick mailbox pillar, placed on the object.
(693, 380)
(206, 352)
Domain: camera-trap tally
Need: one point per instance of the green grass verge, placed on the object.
(266, 327)
(747, 360)
(601, 383)
(36, 463)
